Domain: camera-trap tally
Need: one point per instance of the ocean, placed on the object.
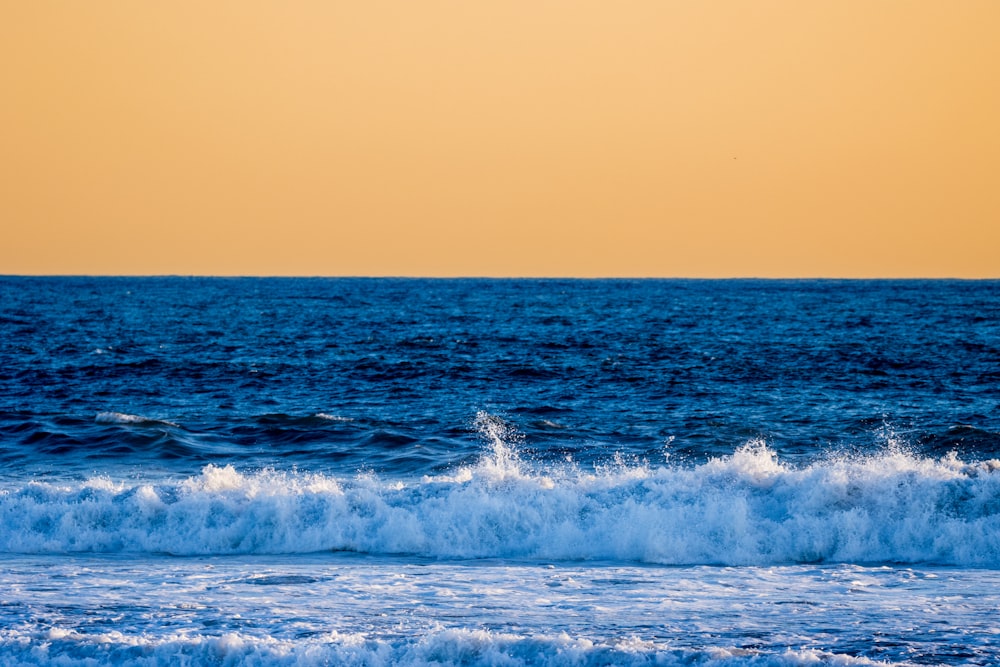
(285, 471)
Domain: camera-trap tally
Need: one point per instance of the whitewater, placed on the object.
(743, 509)
(394, 472)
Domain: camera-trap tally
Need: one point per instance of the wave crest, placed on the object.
(748, 508)
(135, 420)
(439, 647)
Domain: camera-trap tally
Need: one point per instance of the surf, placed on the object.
(746, 508)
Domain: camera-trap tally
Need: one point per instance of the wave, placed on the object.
(123, 442)
(747, 508)
(440, 647)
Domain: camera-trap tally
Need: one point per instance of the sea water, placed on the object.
(499, 472)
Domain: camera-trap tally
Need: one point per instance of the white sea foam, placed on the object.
(124, 418)
(332, 418)
(118, 418)
(58, 646)
(746, 508)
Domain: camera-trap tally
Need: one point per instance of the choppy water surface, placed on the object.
(375, 471)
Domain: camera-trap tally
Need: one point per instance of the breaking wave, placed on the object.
(747, 508)
(442, 647)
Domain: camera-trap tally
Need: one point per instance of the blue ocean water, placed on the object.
(499, 472)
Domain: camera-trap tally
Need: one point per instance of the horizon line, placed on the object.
(488, 277)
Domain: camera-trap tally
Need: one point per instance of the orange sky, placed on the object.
(501, 137)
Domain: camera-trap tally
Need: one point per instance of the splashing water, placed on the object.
(500, 436)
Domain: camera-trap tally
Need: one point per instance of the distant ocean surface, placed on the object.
(209, 471)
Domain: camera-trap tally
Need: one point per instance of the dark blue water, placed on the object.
(238, 369)
(499, 472)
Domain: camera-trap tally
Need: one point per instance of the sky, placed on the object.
(584, 138)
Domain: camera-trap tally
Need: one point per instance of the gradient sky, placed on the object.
(713, 138)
